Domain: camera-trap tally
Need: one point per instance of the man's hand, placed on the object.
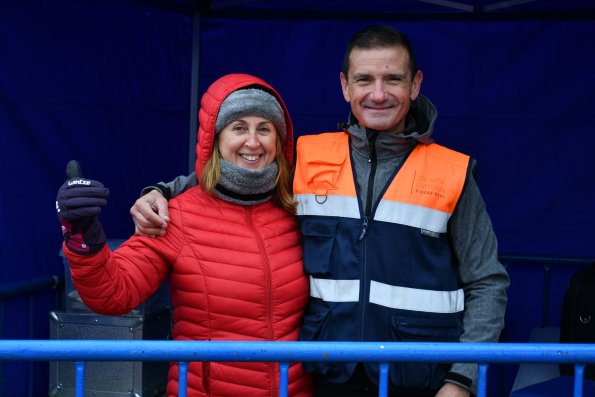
(150, 214)
(453, 390)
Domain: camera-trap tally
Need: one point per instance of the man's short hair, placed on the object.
(379, 36)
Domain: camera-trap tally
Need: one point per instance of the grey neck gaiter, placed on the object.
(245, 186)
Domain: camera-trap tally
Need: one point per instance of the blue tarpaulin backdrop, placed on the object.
(109, 83)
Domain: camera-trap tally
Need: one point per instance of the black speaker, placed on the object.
(110, 378)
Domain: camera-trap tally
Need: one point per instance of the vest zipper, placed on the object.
(370, 191)
(367, 214)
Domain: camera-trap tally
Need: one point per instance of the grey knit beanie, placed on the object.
(251, 102)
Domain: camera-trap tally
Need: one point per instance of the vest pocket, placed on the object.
(318, 239)
(415, 329)
(324, 172)
(314, 320)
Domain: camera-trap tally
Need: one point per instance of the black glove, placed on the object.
(78, 203)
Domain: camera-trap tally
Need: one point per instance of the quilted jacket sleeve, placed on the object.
(114, 283)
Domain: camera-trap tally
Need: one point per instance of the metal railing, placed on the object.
(547, 263)
(184, 352)
(31, 350)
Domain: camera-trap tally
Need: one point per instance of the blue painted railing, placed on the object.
(81, 351)
(500, 354)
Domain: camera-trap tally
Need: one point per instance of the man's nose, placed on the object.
(378, 92)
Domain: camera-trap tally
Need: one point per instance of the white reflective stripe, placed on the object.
(334, 290)
(419, 300)
(412, 215)
(343, 206)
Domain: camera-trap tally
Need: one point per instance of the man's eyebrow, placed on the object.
(398, 75)
(360, 75)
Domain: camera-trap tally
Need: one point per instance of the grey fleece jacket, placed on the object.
(474, 243)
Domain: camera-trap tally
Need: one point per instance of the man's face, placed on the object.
(380, 87)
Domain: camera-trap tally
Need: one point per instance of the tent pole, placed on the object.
(194, 90)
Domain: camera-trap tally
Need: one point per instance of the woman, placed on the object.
(232, 253)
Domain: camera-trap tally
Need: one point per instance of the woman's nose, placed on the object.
(252, 139)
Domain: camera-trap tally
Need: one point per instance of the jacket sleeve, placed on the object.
(173, 188)
(114, 283)
(484, 278)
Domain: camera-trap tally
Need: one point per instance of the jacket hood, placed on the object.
(422, 117)
(210, 104)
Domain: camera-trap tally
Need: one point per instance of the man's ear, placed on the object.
(345, 87)
(416, 85)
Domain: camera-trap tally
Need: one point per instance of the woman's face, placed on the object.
(249, 142)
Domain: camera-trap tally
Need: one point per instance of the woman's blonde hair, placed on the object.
(282, 197)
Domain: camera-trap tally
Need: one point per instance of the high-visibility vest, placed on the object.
(387, 276)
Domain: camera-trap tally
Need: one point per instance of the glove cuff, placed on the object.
(85, 241)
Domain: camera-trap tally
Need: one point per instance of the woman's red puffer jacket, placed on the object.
(234, 272)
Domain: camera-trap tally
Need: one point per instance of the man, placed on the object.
(397, 241)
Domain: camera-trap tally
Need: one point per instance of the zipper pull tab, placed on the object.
(364, 228)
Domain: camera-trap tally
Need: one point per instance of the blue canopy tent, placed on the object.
(115, 84)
